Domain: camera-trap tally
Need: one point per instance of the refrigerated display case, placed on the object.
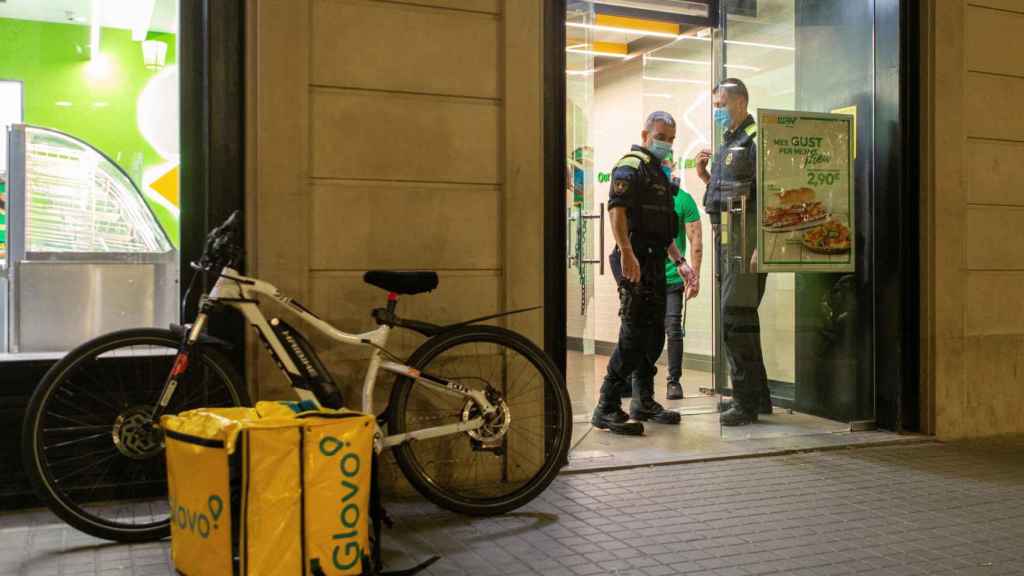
(86, 255)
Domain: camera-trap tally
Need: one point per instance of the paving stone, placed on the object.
(905, 510)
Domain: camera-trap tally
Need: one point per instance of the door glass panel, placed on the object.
(624, 62)
(815, 341)
(580, 228)
(677, 78)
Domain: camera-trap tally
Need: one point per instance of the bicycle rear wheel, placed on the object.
(88, 449)
(516, 455)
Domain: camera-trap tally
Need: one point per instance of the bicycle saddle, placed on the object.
(408, 283)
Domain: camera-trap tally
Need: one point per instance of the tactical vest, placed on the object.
(733, 172)
(652, 219)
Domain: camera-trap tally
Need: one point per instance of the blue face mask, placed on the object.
(660, 149)
(722, 117)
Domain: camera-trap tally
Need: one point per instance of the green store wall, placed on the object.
(47, 58)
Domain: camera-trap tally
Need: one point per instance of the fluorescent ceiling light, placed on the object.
(667, 6)
(677, 60)
(676, 80)
(634, 31)
(579, 72)
(760, 45)
(657, 95)
(599, 53)
(63, 103)
(700, 63)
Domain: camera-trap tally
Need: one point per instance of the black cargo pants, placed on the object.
(641, 328)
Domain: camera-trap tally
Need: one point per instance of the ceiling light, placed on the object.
(760, 45)
(676, 80)
(743, 67)
(599, 53)
(63, 103)
(700, 63)
(667, 6)
(677, 60)
(657, 95)
(634, 31)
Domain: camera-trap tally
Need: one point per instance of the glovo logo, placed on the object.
(198, 522)
(346, 552)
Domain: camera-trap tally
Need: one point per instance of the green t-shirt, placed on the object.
(688, 213)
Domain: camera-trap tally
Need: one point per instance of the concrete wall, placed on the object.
(972, 218)
(399, 135)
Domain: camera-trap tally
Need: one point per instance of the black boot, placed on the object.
(738, 416)
(651, 410)
(615, 420)
(764, 406)
(643, 407)
(675, 391)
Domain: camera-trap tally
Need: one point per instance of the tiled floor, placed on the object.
(700, 436)
(897, 510)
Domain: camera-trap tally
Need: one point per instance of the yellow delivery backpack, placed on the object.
(275, 490)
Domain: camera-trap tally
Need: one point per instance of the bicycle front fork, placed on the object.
(180, 365)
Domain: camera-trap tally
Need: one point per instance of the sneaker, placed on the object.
(737, 416)
(675, 391)
(615, 420)
(764, 408)
(655, 413)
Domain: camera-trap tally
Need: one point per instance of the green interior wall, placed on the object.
(50, 59)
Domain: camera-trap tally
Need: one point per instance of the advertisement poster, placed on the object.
(805, 192)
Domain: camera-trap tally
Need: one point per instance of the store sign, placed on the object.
(805, 192)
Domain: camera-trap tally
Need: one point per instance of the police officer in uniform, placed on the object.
(644, 224)
(732, 178)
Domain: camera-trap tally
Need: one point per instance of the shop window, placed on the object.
(89, 187)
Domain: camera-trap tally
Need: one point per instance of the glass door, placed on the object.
(585, 218)
(677, 77)
(623, 63)
(802, 339)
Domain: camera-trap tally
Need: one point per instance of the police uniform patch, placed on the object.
(728, 159)
(620, 187)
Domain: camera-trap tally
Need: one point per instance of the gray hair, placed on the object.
(659, 116)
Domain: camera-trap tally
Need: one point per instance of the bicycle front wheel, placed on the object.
(519, 451)
(88, 445)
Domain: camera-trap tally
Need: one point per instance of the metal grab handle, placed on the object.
(600, 257)
(743, 231)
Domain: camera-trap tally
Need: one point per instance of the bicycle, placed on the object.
(467, 441)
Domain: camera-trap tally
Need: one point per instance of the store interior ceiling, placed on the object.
(148, 15)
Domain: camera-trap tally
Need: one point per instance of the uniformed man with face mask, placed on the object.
(644, 223)
(732, 178)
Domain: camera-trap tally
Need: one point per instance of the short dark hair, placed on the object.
(659, 116)
(733, 86)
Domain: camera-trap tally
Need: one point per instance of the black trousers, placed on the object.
(641, 328)
(674, 330)
(741, 294)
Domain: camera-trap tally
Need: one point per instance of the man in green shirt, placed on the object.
(677, 288)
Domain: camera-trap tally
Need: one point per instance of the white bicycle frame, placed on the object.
(241, 293)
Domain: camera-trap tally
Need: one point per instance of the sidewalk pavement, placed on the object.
(898, 510)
